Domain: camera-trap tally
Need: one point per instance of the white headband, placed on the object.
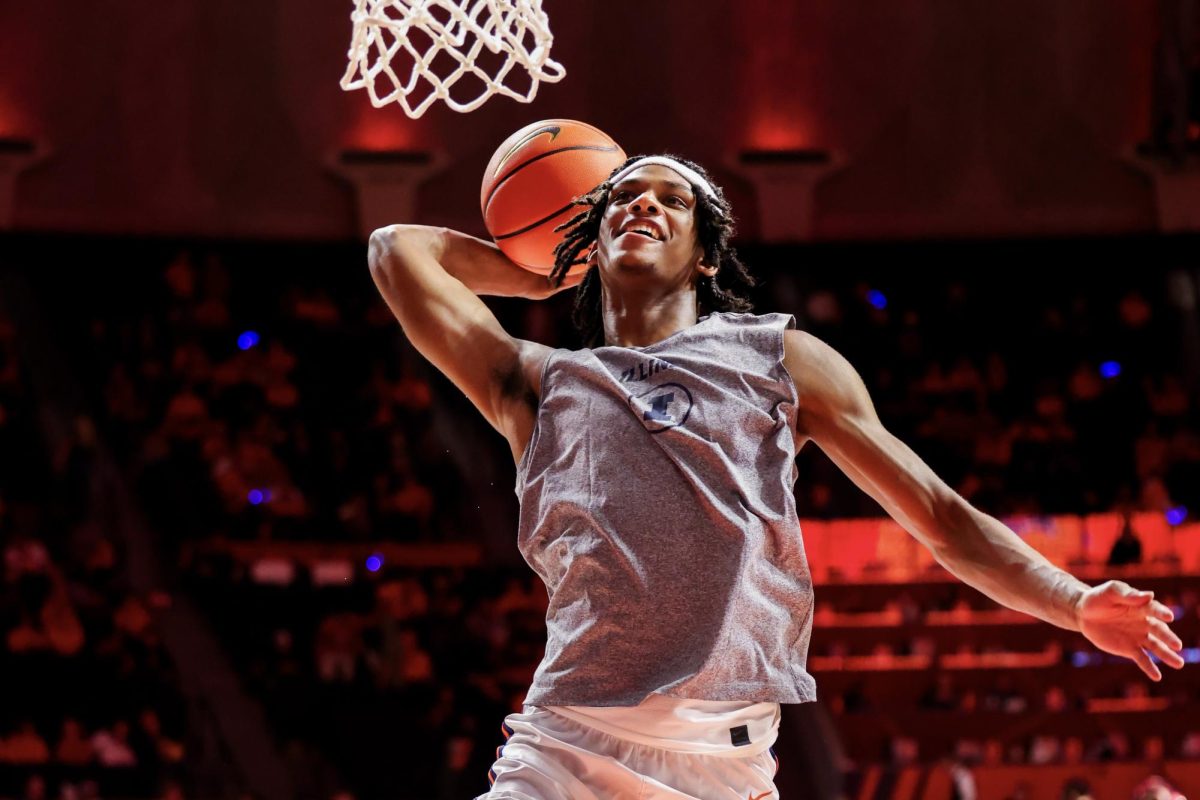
(690, 175)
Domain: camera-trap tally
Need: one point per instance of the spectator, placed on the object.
(35, 788)
(132, 618)
(26, 637)
(1076, 789)
(1113, 747)
(1073, 750)
(74, 748)
(151, 745)
(339, 645)
(1127, 549)
(1156, 788)
(962, 781)
(112, 747)
(942, 695)
(315, 307)
(63, 630)
(401, 660)
(25, 556)
(905, 750)
(456, 780)
(1056, 699)
(1045, 750)
(520, 595)
(172, 791)
(1152, 749)
(26, 746)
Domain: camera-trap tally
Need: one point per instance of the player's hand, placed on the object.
(1126, 622)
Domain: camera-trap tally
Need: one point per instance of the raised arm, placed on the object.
(430, 278)
(836, 412)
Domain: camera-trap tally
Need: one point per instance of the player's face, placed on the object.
(650, 225)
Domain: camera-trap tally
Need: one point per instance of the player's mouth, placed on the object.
(642, 228)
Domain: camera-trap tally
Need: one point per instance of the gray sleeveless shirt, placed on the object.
(657, 507)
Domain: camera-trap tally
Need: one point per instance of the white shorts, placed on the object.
(664, 749)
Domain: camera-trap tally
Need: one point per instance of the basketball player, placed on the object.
(655, 471)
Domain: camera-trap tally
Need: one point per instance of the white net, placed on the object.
(438, 44)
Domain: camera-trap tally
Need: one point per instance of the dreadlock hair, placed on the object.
(714, 229)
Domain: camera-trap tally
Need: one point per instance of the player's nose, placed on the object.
(645, 203)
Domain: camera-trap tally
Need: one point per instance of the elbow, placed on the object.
(391, 244)
(379, 246)
(385, 252)
(381, 236)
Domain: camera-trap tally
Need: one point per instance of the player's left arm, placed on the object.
(835, 411)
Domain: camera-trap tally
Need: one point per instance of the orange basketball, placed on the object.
(531, 181)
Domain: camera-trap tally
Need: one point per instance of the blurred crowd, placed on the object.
(231, 433)
(1067, 399)
(89, 705)
(248, 401)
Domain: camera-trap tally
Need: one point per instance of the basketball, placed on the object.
(531, 181)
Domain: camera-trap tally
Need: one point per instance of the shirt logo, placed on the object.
(644, 370)
(663, 407)
(753, 796)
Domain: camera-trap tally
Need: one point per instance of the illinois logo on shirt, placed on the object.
(663, 407)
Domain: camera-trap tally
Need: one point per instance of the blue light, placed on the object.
(1110, 369)
(1177, 515)
(255, 497)
(374, 563)
(247, 340)
(876, 298)
(1191, 655)
(1080, 658)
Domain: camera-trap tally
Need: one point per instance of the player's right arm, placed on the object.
(430, 278)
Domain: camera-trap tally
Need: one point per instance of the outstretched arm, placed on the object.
(836, 412)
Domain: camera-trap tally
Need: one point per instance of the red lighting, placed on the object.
(772, 130)
(384, 129)
(15, 122)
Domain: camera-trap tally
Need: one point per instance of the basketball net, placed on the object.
(442, 40)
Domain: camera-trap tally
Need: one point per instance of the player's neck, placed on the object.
(643, 321)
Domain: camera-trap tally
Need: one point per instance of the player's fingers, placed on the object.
(1162, 612)
(1130, 596)
(1160, 650)
(1160, 630)
(1147, 665)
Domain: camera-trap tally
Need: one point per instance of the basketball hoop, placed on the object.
(440, 42)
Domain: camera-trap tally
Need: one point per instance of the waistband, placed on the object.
(731, 729)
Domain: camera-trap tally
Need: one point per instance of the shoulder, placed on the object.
(802, 349)
(825, 380)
